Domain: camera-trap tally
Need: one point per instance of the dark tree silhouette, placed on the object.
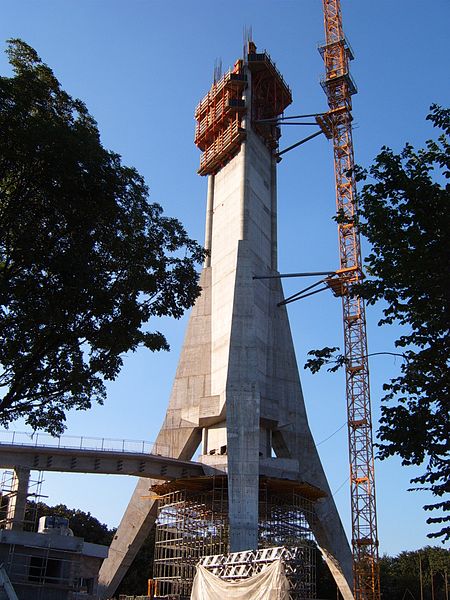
(85, 259)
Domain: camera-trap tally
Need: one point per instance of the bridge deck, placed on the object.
(81, 460)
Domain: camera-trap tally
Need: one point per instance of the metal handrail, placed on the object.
(23, 438)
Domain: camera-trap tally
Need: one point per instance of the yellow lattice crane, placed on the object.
(337, 126)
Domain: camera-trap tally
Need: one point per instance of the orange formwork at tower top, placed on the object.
(220, 129)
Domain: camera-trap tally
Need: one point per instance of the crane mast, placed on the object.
(336, 124)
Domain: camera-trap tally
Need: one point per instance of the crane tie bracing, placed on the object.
(336, 124)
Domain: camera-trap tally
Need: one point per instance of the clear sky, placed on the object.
(141, 66)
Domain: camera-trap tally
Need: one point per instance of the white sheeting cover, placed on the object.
(269, 584)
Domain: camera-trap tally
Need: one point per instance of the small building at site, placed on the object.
(47, 564)
(50, 566)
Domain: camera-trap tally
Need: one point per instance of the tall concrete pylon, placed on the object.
(237, 390)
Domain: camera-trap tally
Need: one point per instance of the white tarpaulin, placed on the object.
(269, 584)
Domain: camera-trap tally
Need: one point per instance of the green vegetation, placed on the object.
(85, 259)
(404, 213)
(402, 576)
(414, 575)
(82, 524)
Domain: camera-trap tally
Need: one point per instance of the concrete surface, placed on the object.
(237, 387)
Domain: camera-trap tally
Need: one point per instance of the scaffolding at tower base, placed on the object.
(192, 528)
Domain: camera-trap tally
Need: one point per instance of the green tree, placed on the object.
(82, 524)
(412, 573)
(85, 259)
(401, 576)
(404, 213)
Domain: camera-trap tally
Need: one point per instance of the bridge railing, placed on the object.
(23, 438)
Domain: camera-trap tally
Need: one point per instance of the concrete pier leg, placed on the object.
(18, 499)
(237, 388)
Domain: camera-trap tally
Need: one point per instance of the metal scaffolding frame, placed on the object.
(46, 571)
(8, 492)
(40, 571)
(193, 524)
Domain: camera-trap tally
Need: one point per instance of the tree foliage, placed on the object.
(82, 524)
(85, 259)
(402, 576)
(411, 575)
(404, 213)
(416, 574)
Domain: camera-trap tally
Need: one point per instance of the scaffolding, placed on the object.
(193, 524)
(218, 132)
(270, 96)
(44, 573)
(40, 566)
(8, 491)
(220, 116)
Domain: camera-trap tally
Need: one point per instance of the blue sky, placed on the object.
(141, 66)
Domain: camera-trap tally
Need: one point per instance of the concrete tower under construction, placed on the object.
(237, 392)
